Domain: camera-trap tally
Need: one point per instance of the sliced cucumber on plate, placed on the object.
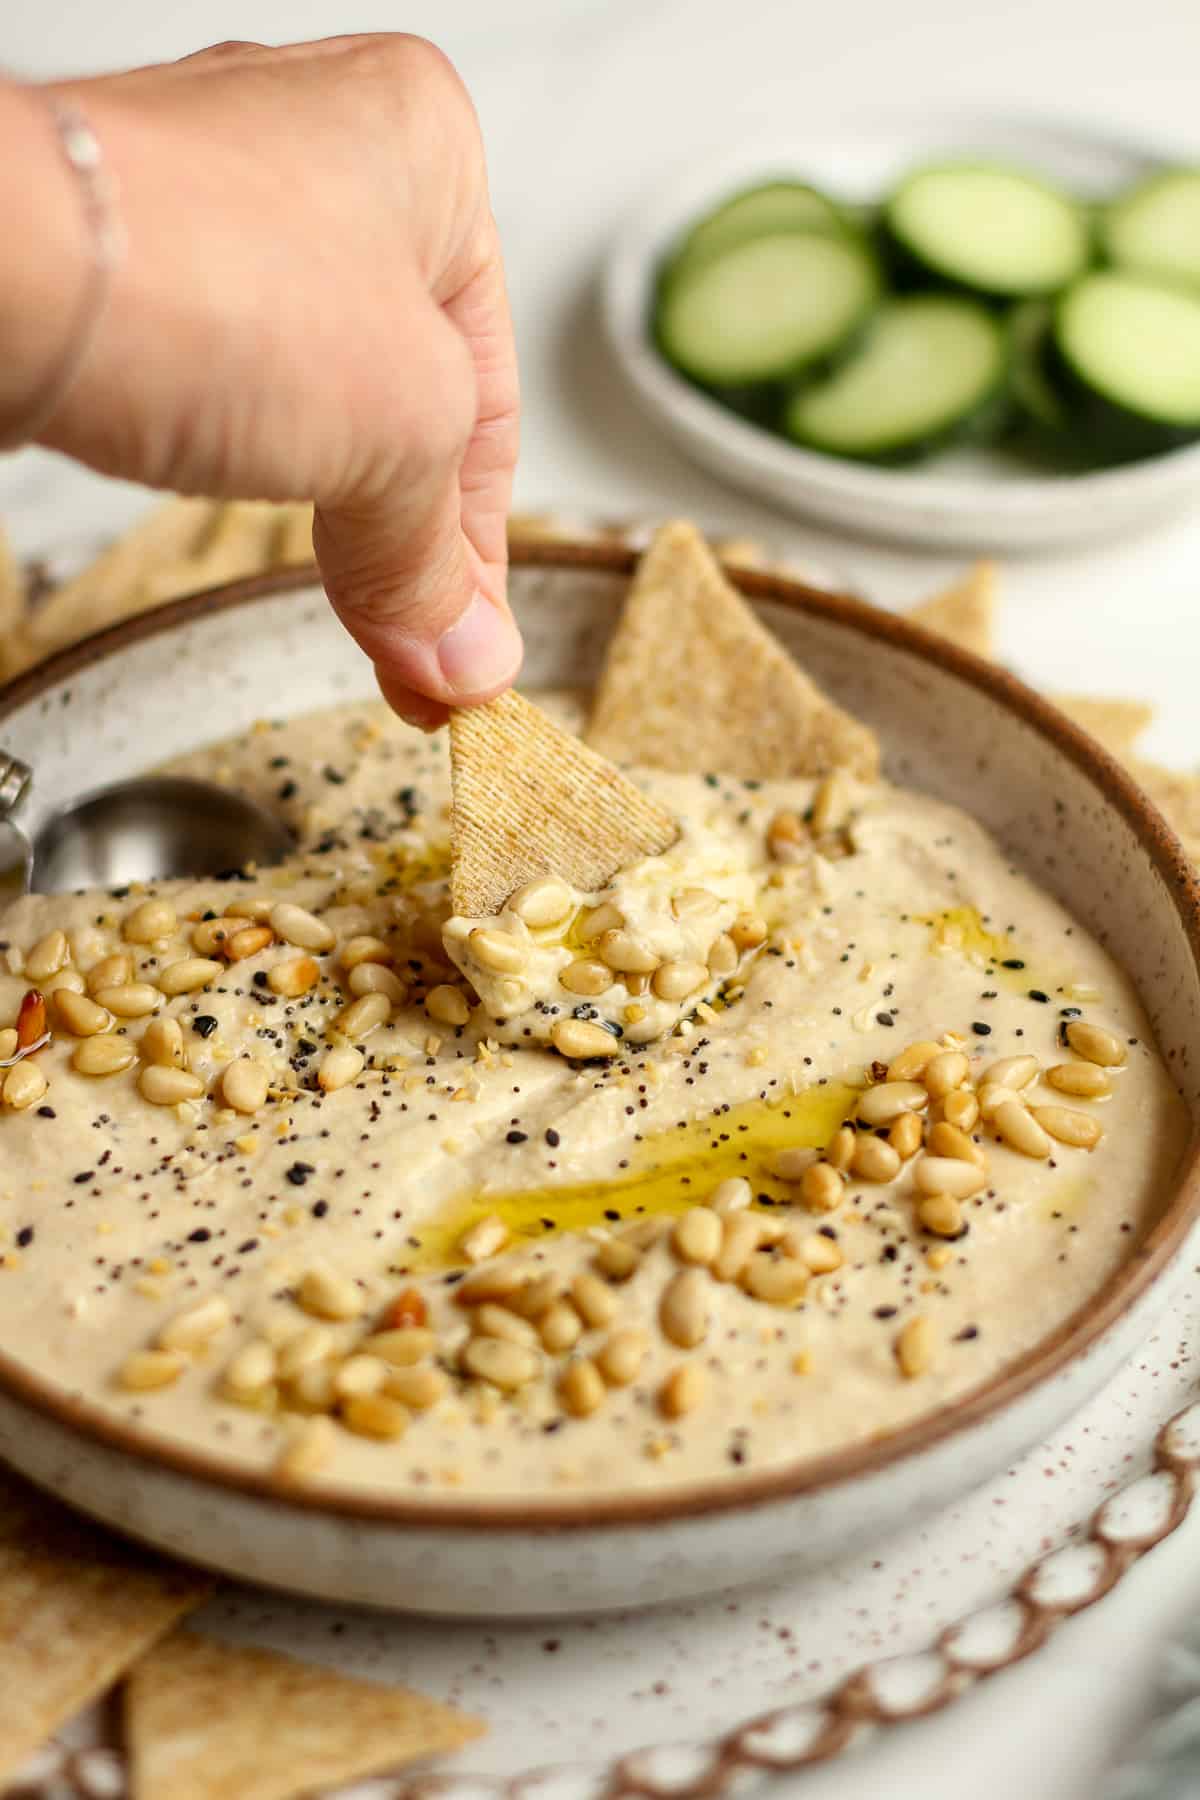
(760, 211)
(931, 368)
(1037, 396)
(768, 308)
(992, 231)
(1128, 351)
(1156, 227)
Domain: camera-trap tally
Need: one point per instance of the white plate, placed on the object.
(978, 498)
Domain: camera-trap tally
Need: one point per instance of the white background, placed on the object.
(585, 105)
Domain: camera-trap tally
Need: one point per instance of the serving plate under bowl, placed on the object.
(208, 667)
(978, 499)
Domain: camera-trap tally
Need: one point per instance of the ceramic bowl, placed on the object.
(208, 666)
(975, 498)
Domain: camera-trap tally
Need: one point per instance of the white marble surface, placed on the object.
(585, 103)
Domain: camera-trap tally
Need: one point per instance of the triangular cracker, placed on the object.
(77, 1608)
(692, 681)
(964, 613)
(1176, 795)
(530, 799)
(1117, 724)
(210, 1721)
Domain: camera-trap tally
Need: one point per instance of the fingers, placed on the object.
(480, 312)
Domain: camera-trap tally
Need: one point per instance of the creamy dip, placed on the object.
(334, 1212)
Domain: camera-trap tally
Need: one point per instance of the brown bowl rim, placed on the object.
(666, 1506)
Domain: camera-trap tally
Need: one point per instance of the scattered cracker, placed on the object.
(1117, 724)
(964, 613)
(207, 1721)
(530, 799)
(77, 1608)
(692, 681)
(236, 541)
(292, 543)
(1176, 795)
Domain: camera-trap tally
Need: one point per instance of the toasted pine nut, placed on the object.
(1013, 1072)
(793, 1163)
(623, 953)
(494, 1320)
(152, 920)
(593, 1300)
(723, 956)
(543, 902)
(822, 1189)
(504, 1365)
(740, 1238)
(694, 903)
(880, 1105)
(339, 1067)
(375, 1416)
(831, 804)
(147, 1369)
(581, 1041)
(617, 1258)
(48, 956)
(103, 1056)
(682, 1391)
(941, 1214)
(418, 1388)
(192, 1328)
(696, 1237)
(1095, 1045)
(402, 1346)
(596, 920)
(674, 981)
(249, 941)
(67, 980)
(311, 1388)
(787, 835)
(961, 1108)
(163, 1086)
(874, 1160)
(498, 951)
(1069, 1127)
(620, 1357)
(363, 1016)
(245, 1084)
(373, 978)
(81, 1016)
(187, 976)
(944, 1072)
(905, 1135)
(309, 1451)
(1088, 1081)
(364, 949)
(914, 1347)
(110, 971)
(495, 1281)
(732, 1195)
(777, 1280)
(840, 1148)
(819, 1254)
(24, 1084)
(129, 999)
(485, 1238)
(296, 925)
(162, 1043)
(560, 1328)
(581, 1388)
(306, 1347)
(947, 1140)
(991, 1099)
(259, 910)
(362, 1374)
(683, 1308)
(913, 1060)
(329, 1294)
(1015, 1125)
(537, 1296)
(947, 1175)
(210, 936)
(447, 1005)
(587, 976)
(299, 975)
(9, 1043)
(252, 1368)
(748, 931)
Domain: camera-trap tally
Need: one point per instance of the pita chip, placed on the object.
(1117, 724)
(530, 799)
(208, 1721)
(77, 1608)
(964, 613)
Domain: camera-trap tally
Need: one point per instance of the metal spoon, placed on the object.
(144, 829)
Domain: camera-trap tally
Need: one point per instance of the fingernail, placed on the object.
(481, 650)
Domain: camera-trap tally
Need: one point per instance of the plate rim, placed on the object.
(1050, 1357)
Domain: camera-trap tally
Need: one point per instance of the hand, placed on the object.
(313, 307)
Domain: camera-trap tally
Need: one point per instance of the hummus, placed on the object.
(305, 1181)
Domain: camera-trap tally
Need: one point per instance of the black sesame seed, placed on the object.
(980, 1029)
(553, 1139)
(204, 1025)
(1012, 962)
(516, 1137)
(260, 978)
(201, 1235)
(299, 1173)
(1041, 998)
(25, 1236)
(319, 1208)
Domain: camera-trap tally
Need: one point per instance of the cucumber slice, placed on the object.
(1156, 227)
(1128, 348)
(766, 309)
(931, 368)
(988, 230)
(760, 211)
(1034, 390)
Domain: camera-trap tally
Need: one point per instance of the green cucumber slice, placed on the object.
(760, 211)
(1034, 391)
(767, 309)
(1128, 347)
(989, 230)
(1156, 227)
(930, 369)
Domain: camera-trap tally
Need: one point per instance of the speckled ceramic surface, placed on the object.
(966, 733)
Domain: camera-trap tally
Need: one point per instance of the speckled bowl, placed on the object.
(208, 666)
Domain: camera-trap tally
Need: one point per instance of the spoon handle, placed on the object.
(15, 777)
